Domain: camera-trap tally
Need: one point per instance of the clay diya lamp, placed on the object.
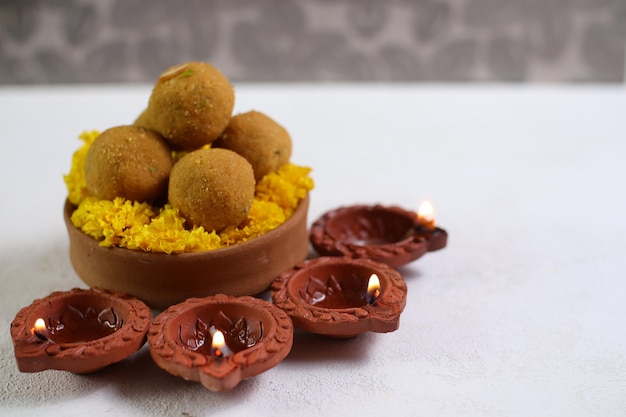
(220, 340)
(391, 235)
(79, 331)
(162, 280)
(341, 297)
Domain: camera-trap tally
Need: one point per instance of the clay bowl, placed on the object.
(327, 296)
(390, 235)
(83, 331)
(162, 280)
(258, 336)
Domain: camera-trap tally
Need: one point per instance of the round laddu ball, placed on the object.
(190, 105)
(212, 188)
(258, 138)
(129, 162)
(142, 120)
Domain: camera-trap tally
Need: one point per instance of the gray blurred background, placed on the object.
(103, 41)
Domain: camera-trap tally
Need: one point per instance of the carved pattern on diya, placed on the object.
(85, 330)
(258, 334)
(327, 295)
(391, 235)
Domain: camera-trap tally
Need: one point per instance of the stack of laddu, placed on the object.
(187, 147)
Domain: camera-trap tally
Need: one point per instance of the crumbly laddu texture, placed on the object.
(141, 226)
(129, 162)
(190, 105)
(264, 143)
(212, 188)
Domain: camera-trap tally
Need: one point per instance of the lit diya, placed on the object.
(341, 297)
(79, 331)
(220, 340)
(391, 235)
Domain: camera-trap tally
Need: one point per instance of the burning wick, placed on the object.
(373, 289)
(218, 345)
(426, 215)
(40, 326)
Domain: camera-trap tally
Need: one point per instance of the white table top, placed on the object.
(523, 314)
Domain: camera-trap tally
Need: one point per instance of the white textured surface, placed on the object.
(523, 314)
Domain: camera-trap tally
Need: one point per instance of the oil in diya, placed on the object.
(387, 234)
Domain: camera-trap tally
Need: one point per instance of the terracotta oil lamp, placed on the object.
(220, 340)
(79, 331)
(390, 235)
(162, 280)
(341, 297)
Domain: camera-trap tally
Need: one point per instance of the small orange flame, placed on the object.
(373, 289)
(218, 345)
(426, 215)
(39, 329)
(40, 325)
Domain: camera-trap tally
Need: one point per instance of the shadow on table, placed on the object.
(146, 388)
(314, 348)
(409, 273)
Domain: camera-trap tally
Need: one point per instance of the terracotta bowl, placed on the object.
(328, 296)
(258, 335)
(391, 235)
(162, 280)
(81, 331)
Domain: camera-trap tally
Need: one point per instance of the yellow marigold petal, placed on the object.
(139, 226)
(75, 179)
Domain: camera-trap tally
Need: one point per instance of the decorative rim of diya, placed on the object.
(304, 291)
(271, 339)
(122, 322)
(162, 280)
(387, 234)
